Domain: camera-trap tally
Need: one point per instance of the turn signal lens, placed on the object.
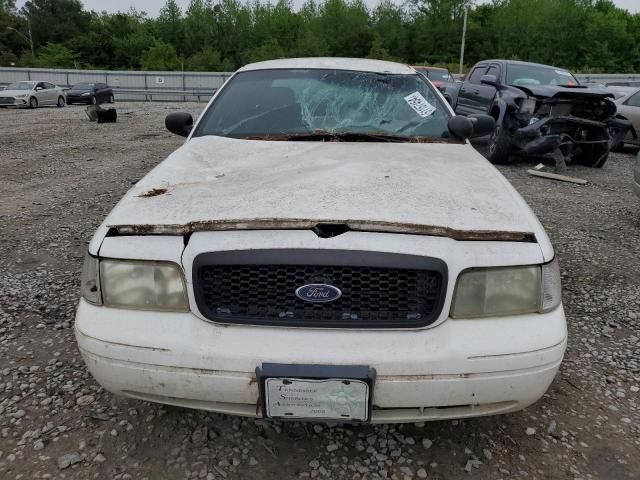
(89, 281)
(551, 288)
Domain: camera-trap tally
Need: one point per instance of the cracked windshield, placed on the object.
(289, 104)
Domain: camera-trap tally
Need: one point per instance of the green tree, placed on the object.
(233, 30)
(436, 29)
(55, 21)
(53, 55)
(590, 35)
(199, 26)
(378, 52)
(269, 50)
(10, 41)
(207, 60)
(169, 26)
(345, 27)
(160, 56)
(131, 35)
(390, 29)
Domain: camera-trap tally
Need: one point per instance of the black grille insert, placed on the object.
(378, 289)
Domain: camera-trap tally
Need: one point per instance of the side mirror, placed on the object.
(39, 88)
(460, 127)
(489, 80)
(179, 123)
(472, 126)
(482, 124)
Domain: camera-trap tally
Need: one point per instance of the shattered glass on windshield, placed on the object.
(304, 103)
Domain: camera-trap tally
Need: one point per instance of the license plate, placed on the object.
(319, 399)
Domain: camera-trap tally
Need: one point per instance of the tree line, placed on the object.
(583, 35)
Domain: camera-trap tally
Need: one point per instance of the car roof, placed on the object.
(518, 62)
(354, 64)
(426, 67)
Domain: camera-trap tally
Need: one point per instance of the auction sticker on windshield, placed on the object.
(420, 104)
(336, 399)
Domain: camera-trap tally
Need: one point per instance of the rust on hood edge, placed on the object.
(306, 224)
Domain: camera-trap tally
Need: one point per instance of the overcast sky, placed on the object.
(152, 7)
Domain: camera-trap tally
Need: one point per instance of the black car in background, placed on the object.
(540, 110)
(91, 93)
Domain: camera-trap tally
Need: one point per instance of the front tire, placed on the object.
(33, 103)
(499, 152)
(94, 100)
(61, 101)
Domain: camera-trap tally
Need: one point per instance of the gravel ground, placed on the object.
(60, 175)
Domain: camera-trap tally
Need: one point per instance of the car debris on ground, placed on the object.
(99, 114)
(538, 171)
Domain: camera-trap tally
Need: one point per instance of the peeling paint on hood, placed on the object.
(216, 183)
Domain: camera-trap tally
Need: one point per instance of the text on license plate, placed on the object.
(335, 399)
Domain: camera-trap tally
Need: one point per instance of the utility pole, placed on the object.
(464, 34)
(33, 53)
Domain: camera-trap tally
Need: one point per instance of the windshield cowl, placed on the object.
(350, 137)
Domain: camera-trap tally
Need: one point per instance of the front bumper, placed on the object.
(550, 133)
(17, 102)
(79, 99)
(460, 368)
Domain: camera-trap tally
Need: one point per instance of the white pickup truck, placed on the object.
(325, 246)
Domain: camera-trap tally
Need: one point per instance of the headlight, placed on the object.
(528, 105)
(21, 96)
(143, 285)
(90, 283)
(85, 94)
(492, 292)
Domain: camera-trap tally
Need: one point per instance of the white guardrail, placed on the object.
(128, 85)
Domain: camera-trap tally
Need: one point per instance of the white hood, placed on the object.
(216, 183)
(14, 93)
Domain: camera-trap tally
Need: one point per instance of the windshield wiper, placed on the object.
(325, 136)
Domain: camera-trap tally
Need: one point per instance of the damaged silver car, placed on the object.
(541, 110)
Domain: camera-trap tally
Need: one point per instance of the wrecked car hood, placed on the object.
(217, 183)
(550, 91)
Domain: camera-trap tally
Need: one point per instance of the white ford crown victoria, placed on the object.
(326, 245)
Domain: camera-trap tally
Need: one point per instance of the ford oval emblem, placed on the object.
(318, 293)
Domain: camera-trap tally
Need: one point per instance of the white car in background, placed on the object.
(327, 245)
(32, 94)
(628, 103)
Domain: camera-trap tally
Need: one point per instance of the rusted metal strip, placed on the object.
(305, 224)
